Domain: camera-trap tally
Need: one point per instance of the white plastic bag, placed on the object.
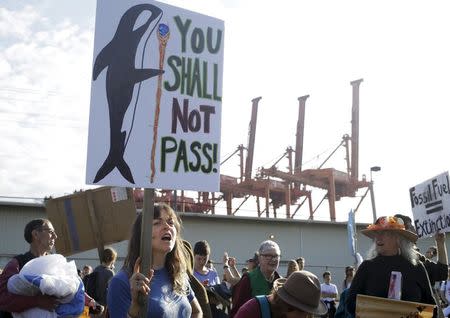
(57, 277)
(50, 275)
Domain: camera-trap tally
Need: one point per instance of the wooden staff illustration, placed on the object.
(163, 38)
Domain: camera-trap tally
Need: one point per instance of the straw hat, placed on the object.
(390, 223)
(302, 291)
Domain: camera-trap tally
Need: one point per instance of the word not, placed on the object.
(191, 75)
(432, 226)
(432, 192)
(193, 120)
(191, 158)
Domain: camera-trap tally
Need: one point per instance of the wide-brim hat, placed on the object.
(302, 291)
(390, 223)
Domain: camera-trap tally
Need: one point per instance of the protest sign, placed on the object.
(156, 98)
(430, 202)
(376, 307)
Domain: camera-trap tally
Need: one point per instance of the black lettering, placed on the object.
(182, 116)
(419, 228)
(440, 222)
(448, 184)
(428, 228)
(194, 120)
(444, 189)
(435, 185)
(412, 197)
(207, 111)
(447, 220)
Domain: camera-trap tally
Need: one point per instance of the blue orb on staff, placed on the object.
(163, 30)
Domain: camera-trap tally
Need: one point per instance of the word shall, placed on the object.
(192, 75)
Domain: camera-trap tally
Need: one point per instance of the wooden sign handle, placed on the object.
(146, 240)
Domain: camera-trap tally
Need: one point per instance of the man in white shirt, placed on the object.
(329, 293)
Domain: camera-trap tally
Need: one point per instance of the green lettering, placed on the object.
(196, 82)
(197, 41)
(194, 146)
(186, 75)
(205, 81)
(165, 149)
(209, 40)
(173, 62)
(216, 74)
(183, 31)
(206, 149)
(181, 157)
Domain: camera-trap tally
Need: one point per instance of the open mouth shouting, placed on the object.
(167, 237)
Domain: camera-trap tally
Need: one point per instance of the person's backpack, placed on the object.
(90, 284)
(264, 306)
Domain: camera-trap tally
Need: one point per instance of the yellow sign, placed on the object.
(376, 307)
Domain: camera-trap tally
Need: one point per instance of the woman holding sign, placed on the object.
(166, 286)
(392, 269)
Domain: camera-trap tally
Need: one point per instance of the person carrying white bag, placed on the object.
(50, 275)
(41, 236)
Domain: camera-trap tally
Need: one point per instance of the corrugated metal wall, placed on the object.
(323, 244)
(12, 223)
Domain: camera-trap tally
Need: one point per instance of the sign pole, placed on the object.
(146, 240)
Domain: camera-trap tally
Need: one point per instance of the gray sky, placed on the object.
(278, 50)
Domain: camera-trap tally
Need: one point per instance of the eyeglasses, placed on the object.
(50, 231)
(273, 257)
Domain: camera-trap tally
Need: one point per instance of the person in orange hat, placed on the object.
(437, 271)
(391, 258)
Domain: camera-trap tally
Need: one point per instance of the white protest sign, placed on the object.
(156, 97)
(430, 202)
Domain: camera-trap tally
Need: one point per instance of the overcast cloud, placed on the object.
(44, 87)
(279, 51)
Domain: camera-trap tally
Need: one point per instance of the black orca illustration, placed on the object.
(119, 57)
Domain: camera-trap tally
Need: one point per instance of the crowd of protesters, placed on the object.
(183, 282)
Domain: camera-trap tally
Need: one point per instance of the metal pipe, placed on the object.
(355, 128)
(299, 135)
(372, 199)
(251, 139)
